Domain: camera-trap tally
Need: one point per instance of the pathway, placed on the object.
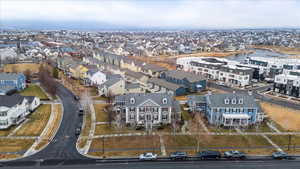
(92, 131)
(271, 126)
(271, 142)
(162, 145)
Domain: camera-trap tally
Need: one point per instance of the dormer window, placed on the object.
(233, 101)
(241, 101)
(164, 101)
(226, 101)
(132, 100)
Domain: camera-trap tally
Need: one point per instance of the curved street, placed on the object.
(63, 145)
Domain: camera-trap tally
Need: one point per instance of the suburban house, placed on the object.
(114, 85)
(95, 78)
(228, 110)
(11, 81)
(14, 109)
(133, 88)
(288, 84)
(156, 85)
(147, 109)
(191, 82)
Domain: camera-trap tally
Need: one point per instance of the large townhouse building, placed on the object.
(189, 81)
(11, 81)
(14, 109)
(228, 110)
(269, 67)
(147, 109)
(229, 72)
(288, 84)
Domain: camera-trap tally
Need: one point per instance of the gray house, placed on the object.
(228, 110)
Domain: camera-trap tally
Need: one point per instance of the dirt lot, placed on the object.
(220, 143)
(37, 122)
(15, 145)
(7, 131)
(101, 115)
(53, 128)
(106, 129)
(287, 118)
(131, 143)
(34, 68)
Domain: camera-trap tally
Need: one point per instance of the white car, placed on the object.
(148, 156)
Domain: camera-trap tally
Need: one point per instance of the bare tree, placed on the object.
(47, 81)
(28, 74)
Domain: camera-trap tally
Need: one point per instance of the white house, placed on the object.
(95, 78)
(14, 109)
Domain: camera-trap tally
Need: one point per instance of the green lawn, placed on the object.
(34, 90)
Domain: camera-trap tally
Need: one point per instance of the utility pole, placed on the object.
(290, 139)
(103, 140)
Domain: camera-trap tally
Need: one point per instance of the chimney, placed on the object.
(250, 92)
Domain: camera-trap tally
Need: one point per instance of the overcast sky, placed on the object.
(158, 13)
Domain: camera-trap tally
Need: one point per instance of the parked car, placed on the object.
(220, 83)
(80, 110)
(178, 155)
(234, 154)
(77, 131)
(148, 157)
(76, 97)
(209, 155)
(281, 155)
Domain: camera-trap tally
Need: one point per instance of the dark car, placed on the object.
(80, 113)
(178, 155)
(76, 97)
(281, 155)
(234, 154)
(209, 155)
(77, 131)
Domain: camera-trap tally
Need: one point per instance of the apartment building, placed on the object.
(230, 73)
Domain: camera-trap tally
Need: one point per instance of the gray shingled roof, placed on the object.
(182, 74)
(218, 100)
(164, 83)
(132, 85)
(10, 101)
(133, 74)
(142, 97)
(111, 82)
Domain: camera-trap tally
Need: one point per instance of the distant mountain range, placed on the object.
(92, 26)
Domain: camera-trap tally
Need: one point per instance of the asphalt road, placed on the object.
(282, 164)
(63, 145)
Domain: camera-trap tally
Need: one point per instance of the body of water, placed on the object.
(257, 53)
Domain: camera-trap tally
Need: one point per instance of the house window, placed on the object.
(164, 101)
(142, 117)
(132, 109)
(155, 116)
(233, 101)
(132, 101)
(131, 116)
(164, 109)
(226, 101)
(240, 101)
(165, 117)
(3, 113)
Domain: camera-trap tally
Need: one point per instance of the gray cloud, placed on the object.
(167, 13)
